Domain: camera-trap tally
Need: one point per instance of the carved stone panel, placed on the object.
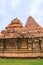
(29, 44)
(1, 43)
(11, 44)
(24, 44)
(36, 45)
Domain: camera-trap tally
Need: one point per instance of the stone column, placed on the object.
(4, 44)
(32, 41)
(19, 43)
(40, 43)
(27, 43)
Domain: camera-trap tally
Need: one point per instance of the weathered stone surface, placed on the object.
(19, 41)
(15, 29)
(31, 23)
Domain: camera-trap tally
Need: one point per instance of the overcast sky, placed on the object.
(10, 9)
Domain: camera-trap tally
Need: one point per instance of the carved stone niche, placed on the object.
(11, 44)
(29, 44)
(36, 45)
(24, 44)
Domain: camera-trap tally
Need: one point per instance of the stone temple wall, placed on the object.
(21, 47)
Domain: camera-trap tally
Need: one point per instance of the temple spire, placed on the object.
(15, 23)
(31, 23)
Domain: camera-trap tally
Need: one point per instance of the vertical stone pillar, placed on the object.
(19, 43)
(27, 43)
(40, 43)
(32, 43)
(4, 44)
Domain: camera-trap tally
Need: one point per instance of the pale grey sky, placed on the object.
(10, 9)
